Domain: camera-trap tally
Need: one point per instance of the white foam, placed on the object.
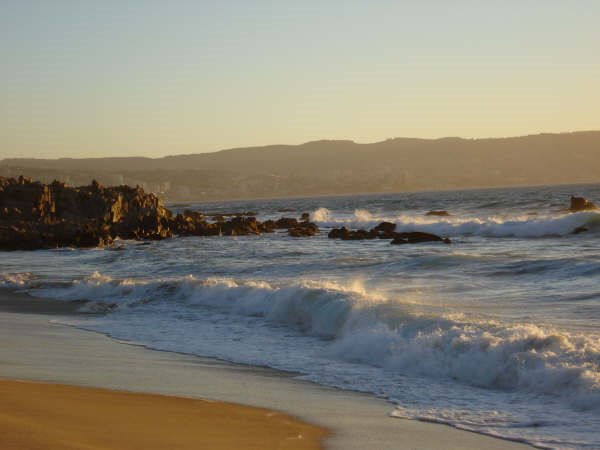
(15, 280)
(367, 328)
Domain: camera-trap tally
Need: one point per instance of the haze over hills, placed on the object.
(339, 167)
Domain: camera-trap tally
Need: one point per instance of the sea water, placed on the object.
(497, 333)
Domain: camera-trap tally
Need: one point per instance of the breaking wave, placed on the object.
(491, 226)
(362, 326)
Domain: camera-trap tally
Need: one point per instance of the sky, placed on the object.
(95, 78)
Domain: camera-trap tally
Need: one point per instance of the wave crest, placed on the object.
(365, 327)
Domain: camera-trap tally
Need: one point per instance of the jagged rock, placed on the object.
(36, 215)
(305, 217)
(240, 226)
(437, 213)
(579, 230)
(581, 204)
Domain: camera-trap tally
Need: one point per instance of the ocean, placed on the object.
(497, 333)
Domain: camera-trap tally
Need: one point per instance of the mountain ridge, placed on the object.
(324, 167)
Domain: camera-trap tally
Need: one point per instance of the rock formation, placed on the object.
(35, 215)
(581, 204)
(385, 230)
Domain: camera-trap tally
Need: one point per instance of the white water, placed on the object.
(521, 226)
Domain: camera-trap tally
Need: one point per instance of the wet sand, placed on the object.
(53, 416)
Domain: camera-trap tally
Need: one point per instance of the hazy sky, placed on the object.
(98, 78)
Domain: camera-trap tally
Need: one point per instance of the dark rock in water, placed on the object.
(304, 229)
(240, 226)
(305, 217)
(338, 233)
(286, 222)
(351, 235)
(437, 213)
(385, 230)
(415, 237)
(385, 227)
(268, 226)
(580, 230)
(581, 204)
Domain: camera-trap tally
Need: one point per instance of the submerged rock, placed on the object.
(437, 213)
(415, 237)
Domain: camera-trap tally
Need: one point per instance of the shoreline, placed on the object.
(36, 347)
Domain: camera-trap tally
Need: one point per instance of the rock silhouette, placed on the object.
(385, 230)
(34, 215)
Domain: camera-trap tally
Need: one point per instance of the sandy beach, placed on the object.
(53, 416)
(39, 347)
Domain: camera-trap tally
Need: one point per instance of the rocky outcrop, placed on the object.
(438, 213)
(581, 204)
(35, 215)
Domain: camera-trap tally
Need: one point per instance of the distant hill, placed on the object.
(339, 167)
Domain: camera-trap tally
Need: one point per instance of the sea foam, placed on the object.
(365, 327)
